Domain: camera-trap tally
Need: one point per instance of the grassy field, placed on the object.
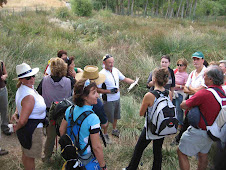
(137, 45)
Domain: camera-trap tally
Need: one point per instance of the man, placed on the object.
(222, 65)
(194, 83)
(196, 141)
(111, 93)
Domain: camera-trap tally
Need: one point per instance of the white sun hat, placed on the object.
(24, 70)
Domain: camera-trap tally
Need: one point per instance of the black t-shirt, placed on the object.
(170, 83)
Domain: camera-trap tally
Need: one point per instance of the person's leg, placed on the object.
(4, 110)
(157, 152)
(142, 143)
(28, 162)
(50, 141)
(180, 112)
(105, 127)
(203, 161)
(183, 160)
(115, 123)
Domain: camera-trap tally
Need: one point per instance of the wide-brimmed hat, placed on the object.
(198, 54)
(91, 72)
(24, 70)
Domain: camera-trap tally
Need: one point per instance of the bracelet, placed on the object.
(104, 167)
(180, 86)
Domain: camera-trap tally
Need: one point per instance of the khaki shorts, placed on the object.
(112, 110)
(194, 141)
(36, 147)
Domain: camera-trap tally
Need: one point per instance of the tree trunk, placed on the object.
(132, 8)
(171, 9)
(106, 6)
(178, 11)
(117, 7)
(153, 8)
(122, 7)
(190, 9)
(128, 8)
(157, 8)
(194, 9)
(168, 9)
(145, 8)
(182, 11)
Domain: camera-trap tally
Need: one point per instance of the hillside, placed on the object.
(137, 44)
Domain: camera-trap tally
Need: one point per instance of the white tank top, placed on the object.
(39, 110)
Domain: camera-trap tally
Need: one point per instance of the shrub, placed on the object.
(81, 7)
(62, 12)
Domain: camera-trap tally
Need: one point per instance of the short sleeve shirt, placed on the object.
(112, 81)
(196, 81)
(89, 126)
(207, 104)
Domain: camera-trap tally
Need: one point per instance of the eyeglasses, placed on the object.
(28, 78)
(181, 65)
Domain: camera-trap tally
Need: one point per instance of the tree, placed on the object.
(132, 7)
(145, 8)
(128, 8)
(82, 7)
(2, 2)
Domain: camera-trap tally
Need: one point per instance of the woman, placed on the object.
(72, 70)
(31, 110)
(181, 77)
(54, 87)
(85, 95)
(165, 62)
(160, 78)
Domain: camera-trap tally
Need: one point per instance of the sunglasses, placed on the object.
(28, 78)
(181, 65)
(106, 57)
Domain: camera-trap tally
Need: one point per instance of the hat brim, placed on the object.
(98, 81)
(197, 57)
(33, 72)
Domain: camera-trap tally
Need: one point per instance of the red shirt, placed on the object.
(208, 105)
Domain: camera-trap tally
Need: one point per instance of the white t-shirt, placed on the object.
(112, 81)
(196, 81)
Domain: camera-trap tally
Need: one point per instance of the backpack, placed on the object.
(57, 112)
(215, 131)
(70, 147)
(162, 119)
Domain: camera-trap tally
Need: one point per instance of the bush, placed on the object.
(81, 7)
(62, 12)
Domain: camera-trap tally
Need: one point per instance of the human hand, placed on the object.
(114, 90)
(3, 77)
(14, 117)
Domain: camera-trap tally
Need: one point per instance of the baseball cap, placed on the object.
(198, 55)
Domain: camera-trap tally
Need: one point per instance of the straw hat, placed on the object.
(24, 70)
(91, 72)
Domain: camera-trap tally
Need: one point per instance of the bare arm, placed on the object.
(79, 70)
(5, 75)
(63, 127)
(97, 148)
(190, 90)
(103, 91)
(151, 84)
(128, 80)
(148, 100)
(27, 104)
(183, 105)
(172, 89)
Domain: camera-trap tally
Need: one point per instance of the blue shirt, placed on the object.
(89, 126)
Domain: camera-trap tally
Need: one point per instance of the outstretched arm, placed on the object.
(128, 80)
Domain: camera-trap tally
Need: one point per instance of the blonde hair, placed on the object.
(184, 62)
(58, 67)
(18, 84)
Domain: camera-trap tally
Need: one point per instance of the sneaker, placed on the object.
(3, 152)
(107, 139)
(174, 143)
(123, 168)
(115, 132)
(6, 132)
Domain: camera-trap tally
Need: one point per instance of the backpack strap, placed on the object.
(79, 122)
(216, 95)
(157, 93)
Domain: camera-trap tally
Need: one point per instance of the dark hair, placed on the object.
(205, 63)
(215, 74)
(161, 76)
(60, 53)
(166, 57)
(80, 92)
(71, 59)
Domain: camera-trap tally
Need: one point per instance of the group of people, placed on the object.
(62, 80)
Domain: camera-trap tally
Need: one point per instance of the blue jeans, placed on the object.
(180, 112)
